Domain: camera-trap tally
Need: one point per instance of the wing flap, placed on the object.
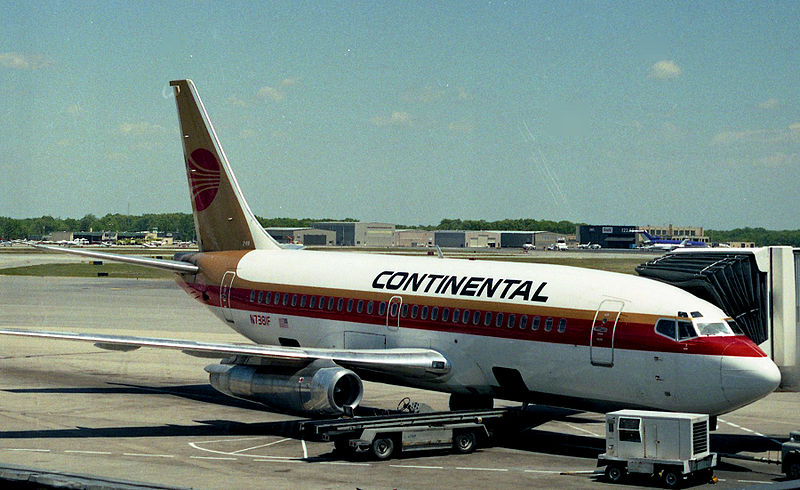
(420, 363)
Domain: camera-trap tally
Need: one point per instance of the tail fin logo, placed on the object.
(204, 176)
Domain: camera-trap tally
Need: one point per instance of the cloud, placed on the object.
(141, 129)
(22, 61)
(290, 82)
(236, 101)
(398, 118)
(779, 160)
(769, 104)
(73, 109)
(272, 93)
(665, 70)
(460, 126)
(759, 136)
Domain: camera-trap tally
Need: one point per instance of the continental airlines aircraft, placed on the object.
(321, 322)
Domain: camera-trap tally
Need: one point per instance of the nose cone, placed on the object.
(746, 379)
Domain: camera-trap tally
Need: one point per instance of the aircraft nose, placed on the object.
(747, 379)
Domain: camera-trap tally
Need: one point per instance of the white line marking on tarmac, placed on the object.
(553, 472)
(305, 449)
(145, 455)
(750, 431)
(273, 460)
(29, 450)
(467, 468)
(417, 467)
(74, 451)
(213, 457)
(344, 463)
(581, 429)
(260, 446)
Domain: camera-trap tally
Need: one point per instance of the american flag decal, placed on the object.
(283, 322)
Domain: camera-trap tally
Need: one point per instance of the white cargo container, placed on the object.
(668, 445)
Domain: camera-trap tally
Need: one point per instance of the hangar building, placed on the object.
(358, 233)
(608, 236)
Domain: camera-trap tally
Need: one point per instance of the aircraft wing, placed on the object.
(170, 265)
(421, 363)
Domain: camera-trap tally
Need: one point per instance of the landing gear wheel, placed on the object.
(671, 478)
(382, 447)
(464, 442)
(614, 473)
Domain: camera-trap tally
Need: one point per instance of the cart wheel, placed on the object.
(614, 473)
(671, 478)
(464, 442)
(383, 447)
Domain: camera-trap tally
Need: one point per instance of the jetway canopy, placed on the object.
(729, 280)
(759, 288)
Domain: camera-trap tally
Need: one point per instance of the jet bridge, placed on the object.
(759, 288)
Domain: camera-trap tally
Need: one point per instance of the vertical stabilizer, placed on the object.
(222, 219)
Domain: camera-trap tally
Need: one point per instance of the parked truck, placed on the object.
(790, 456)
(671, 446)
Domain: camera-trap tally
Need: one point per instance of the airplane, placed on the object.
(655, 243)
(320, 322)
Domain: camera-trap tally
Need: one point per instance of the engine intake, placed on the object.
(314, 390)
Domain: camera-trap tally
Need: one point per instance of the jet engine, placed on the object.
(319, 389)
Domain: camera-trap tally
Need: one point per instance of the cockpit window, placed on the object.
(737, 330)
(685, 330)
(715, 328)
(666, 328)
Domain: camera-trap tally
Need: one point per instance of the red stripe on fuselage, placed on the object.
(627, 335)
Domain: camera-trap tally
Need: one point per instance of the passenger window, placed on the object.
(303, 300)
(339, 304)
(370, 307)
(285, 299)
(523, 322)
(330, 303)
(499, 321)
(434, 313)
(685, 330)
(312, 302)
(445, 314)
(487, 319)
(393, 310)
(404, 310)
(414, 311)
(294, 300)
(535, 323)
(455, 315)
(666, 328)
(423, 314)
(465, 317)
(548, 324)
(512, 319)
(562, 325)
(360, 306)
(382, 308)
(268, 297)
(277, 298)
(349, 305)
(252, 296)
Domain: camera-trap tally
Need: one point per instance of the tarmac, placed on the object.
(149, 416)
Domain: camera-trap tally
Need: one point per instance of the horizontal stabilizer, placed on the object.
(165, 264)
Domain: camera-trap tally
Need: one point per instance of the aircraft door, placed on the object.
(393, 313)
(225, 295)
(604, 326)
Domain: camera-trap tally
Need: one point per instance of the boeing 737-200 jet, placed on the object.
(320, 322)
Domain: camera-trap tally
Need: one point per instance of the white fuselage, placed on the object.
(594, 344)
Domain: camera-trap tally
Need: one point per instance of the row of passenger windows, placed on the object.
(424, 312)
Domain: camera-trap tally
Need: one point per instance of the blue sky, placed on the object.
(410, 112)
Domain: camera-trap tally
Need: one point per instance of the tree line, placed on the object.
(182, 225)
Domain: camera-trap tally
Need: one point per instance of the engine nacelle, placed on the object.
(314, 390)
